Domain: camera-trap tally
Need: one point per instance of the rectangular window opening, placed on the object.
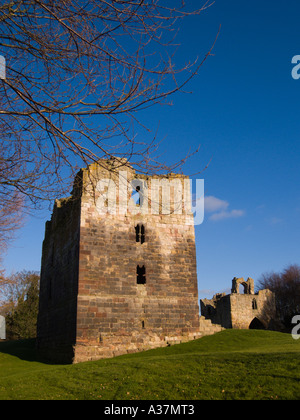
(141, 275)
(140, 233)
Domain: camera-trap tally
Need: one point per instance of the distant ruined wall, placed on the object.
(245, 308)
(218, 310)
(241, 311)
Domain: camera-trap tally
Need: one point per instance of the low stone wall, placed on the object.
(127, 343)
(241, 311)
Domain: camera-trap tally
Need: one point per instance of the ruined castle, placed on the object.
(118, 270)
(118, 266)
(247, 310)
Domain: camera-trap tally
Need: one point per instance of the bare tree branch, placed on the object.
(77, 74)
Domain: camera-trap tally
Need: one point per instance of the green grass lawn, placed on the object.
(229, 365)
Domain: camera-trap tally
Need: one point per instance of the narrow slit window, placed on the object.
(137, 233)
(140, 233)
(254, 304)
(141, 275)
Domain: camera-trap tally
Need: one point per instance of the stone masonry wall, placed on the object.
(56, 329)
(245, 308)
(104, 291)
(115, 314)
(240, 311)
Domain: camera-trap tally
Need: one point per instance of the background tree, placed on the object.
(286, 286)
(77, 73)
(11, 205)
(20, 297)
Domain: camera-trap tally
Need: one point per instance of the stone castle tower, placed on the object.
(118, 266)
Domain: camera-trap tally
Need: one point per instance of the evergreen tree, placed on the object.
(21, 320)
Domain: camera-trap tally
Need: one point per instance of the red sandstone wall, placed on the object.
(90, 302)
(115, 314)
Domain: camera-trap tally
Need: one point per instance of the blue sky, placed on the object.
(244, 111)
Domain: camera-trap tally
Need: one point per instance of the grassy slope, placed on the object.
(229, 365)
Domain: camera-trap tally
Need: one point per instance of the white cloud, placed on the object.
(222, 215)
(217, 208)
(212, 204)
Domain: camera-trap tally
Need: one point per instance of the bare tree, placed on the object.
(286, 286)
(11, 199)
(77, 73)
(12, 161)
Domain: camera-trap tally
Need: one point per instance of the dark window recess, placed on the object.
(140, 234)
(254, 304)
(141, 275)
(143, 324)
(137, 233)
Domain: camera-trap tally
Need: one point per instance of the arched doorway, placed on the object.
(256, 324)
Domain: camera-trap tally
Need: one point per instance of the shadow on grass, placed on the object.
(24, 350)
